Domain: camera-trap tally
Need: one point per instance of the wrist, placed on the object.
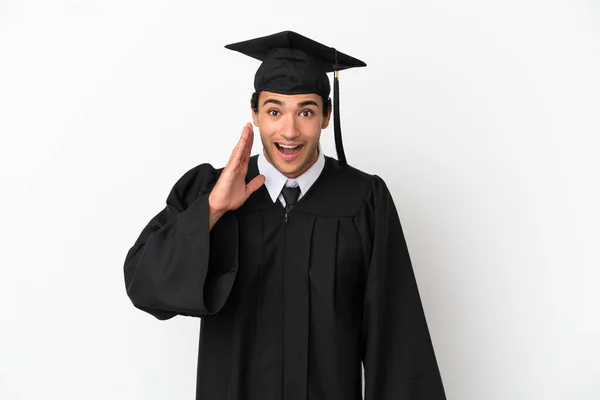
(214, 213)
(214, 209)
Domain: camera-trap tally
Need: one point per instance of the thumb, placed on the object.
(255, 184)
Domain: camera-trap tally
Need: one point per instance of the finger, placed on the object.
(235, 149)
(249, 144)
(255, 184)
(249, 139)
(240, 148)
(233, 153)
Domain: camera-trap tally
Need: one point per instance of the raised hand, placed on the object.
(231, 191)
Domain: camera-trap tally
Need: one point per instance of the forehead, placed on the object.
(290, 99)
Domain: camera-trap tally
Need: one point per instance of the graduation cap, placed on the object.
(295, 64)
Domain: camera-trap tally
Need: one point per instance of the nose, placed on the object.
(289, 127)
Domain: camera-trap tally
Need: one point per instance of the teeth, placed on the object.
(288, 147)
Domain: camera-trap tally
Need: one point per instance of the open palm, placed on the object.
(231, 190)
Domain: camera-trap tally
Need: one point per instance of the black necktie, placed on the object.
(290, 194)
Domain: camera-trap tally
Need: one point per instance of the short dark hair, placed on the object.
(256, 95)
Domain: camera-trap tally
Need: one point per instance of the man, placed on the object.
(295, 261)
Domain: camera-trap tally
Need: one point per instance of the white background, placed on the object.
(483, 118)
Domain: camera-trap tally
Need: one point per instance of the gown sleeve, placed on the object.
(397, 351)
(178, 265)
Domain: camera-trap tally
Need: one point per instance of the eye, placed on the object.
(306, 113)
(273, 112)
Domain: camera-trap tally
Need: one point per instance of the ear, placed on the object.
(326, 120)
(255, 117)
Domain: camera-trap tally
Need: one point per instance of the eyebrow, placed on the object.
(308, 103)
(300, 105)
(276, 102)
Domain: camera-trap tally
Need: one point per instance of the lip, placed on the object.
(288, 157)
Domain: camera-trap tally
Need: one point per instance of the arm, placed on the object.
(397, 351)
(177, 265)
(184, 262)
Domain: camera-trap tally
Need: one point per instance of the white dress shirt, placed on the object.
(276, 180)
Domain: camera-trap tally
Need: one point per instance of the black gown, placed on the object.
(290, 306)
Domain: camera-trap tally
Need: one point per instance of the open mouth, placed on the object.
(289, 150)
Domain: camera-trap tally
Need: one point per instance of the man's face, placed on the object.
(290, 129)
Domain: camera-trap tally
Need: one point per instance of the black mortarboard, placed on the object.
(295, 64)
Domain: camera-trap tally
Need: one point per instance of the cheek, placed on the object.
(268, 125)
(311, 128)
(268, 133)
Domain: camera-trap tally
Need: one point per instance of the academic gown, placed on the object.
(290, 303)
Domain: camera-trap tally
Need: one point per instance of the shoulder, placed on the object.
(343, 190)
(199, 173)
(363, 195)
(361, 182)
(193, 183)
(348, 175)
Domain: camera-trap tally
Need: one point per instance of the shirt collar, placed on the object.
(275, 180)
